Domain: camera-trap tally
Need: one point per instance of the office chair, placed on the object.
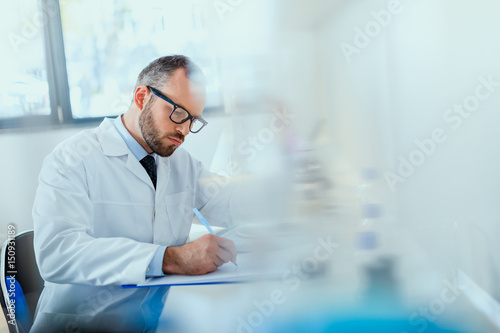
(26, 286)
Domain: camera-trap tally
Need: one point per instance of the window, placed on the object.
(71, 61)
(24, 89)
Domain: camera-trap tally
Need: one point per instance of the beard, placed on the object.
(151, 134)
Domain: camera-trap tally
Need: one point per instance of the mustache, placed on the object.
(176, 136)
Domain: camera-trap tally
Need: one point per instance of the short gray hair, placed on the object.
(158, 72)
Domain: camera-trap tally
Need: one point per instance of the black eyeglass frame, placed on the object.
(189, 117)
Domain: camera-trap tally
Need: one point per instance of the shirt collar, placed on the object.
(131, 143)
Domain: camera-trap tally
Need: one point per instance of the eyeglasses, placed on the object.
(180, 115)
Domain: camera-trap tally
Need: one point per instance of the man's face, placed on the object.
(160, 133)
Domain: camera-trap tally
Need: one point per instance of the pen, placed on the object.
(204, 221)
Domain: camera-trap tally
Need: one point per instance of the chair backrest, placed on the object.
(18, 261)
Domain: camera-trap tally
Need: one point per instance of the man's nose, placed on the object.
(183, 128)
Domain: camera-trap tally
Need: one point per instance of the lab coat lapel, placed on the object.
(137, 169)
(163, 174)
(113, 145)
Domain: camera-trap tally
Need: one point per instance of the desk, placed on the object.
(339, 288)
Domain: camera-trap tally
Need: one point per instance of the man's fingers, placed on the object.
(224, 255)
(218, 261)
(229, 247)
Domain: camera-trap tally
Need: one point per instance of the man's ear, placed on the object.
(140, 96)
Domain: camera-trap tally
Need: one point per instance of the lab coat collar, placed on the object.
(113, 145)
(111, 142)
(132, 144)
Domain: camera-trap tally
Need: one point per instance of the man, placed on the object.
(114, 206)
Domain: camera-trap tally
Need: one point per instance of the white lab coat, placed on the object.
(98, 222)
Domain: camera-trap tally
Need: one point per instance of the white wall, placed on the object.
(433, 67)
(396, 90)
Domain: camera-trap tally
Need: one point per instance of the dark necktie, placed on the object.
(148, 163)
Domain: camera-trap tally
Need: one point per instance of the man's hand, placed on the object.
(202, 256)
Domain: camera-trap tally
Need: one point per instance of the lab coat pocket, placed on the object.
(179, 208)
